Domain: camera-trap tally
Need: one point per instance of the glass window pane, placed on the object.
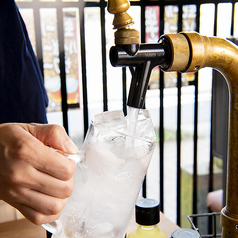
(114, 74)
(72, 53)
(187, 119)
(207, 14)
(170, 27)
(171, 19)
(170, 111)
(50, 48)
(152, 21)
(76, 126)
(54, 117)
(135, 13)
(47, 0)
(93, 60)
(91, 0)
(189, 24)
(189, 17)
(28, 17)
(224, 23)
(236, 21)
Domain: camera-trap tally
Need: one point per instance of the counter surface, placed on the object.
(23, 228)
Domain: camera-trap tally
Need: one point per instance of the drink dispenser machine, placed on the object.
(183, 52)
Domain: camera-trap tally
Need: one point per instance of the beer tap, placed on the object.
(141, 58)
(183, 52)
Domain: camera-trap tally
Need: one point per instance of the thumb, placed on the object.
(54, 136)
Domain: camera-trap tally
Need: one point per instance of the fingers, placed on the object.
(53, 163)
(42, 203)
(51, 186)
(23, 147)
(34, 216)
(40, 182)
(30, 179)
(54, 136)
(40, 199)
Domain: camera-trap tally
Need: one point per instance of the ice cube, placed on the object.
(109, 116)
(103, 229)
(144, 127)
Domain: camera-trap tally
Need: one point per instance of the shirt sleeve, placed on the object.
(23, 97)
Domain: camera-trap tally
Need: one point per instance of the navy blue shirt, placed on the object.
(22, 94)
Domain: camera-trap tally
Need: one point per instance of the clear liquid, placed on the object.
(132, 118)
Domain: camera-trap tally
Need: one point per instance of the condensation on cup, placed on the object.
(109, 173)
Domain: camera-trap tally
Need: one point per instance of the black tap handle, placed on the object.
(141, 61)
(139, 84)
(145, 52)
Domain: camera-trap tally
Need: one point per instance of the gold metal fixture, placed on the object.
(191, 52)
(122, 21)
(127, 36)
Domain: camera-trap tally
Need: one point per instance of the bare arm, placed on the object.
(34, 178)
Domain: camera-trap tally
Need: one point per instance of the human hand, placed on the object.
(34, 178)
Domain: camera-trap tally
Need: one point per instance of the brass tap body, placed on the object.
(191, 52)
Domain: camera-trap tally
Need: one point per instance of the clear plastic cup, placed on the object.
(107, 180)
